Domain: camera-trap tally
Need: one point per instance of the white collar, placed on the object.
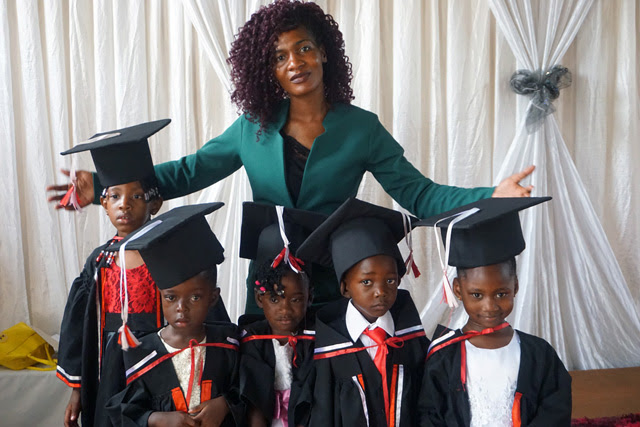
(356, 323)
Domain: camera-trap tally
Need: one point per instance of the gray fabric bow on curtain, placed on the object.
(543, 88)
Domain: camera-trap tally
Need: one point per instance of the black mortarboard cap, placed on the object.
(177, 245)
(355, 231)
(122, 155)
(490, 236)
(260, 237)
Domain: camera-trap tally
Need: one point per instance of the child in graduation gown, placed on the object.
(94, 311)
(186, 373)
(277, 353)
(487, 373)
(370, 347)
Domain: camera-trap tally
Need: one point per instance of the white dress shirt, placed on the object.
(356, 324)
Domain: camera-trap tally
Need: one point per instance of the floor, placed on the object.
(605, 392)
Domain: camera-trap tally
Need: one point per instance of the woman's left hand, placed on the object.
(510, 187)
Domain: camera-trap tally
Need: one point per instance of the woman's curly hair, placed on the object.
(256, 90)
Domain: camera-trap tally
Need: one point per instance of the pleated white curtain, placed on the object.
(569, 278)
(569, 225)
(436, 72)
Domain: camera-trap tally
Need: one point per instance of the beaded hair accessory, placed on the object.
(150, 194)
(110, 255)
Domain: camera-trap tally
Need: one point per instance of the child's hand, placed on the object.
(84, 189)
(72, 411)
(256, 419)
(171, 419)
(212, 412)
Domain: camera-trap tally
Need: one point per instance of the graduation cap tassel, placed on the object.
(285, 254)
(126, 338)
(410, 261)
(447, 291)
(449, 297)
(71, 197)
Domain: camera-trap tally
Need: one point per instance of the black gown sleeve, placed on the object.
(554, 397)
(237, 408)
(256, 378)
(322, 407)
(112, 381)
(71, 331)
(302, 388)
(130, 407)
(432, 402)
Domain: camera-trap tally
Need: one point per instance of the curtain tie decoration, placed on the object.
(543, 87)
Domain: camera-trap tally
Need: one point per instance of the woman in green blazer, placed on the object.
(300, 140)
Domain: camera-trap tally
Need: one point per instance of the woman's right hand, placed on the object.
(84, 190)
(72, 411)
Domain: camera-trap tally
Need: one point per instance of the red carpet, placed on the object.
(625, 420)
(606, 397)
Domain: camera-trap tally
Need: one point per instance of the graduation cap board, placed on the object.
(122, 155)
(268, 230)
(176, 245)
(355, 231)
(482, 233)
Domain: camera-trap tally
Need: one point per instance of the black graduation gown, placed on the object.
(78, 353)
(348, 387)
(156, 388)
(257, 368)
(80, 332)
(543, 390)
(113, 379)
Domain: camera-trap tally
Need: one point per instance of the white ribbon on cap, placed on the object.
(283, 234)
(406, 223)
(446, 285)
(124, 294)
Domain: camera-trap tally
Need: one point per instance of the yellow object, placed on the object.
(21, 347)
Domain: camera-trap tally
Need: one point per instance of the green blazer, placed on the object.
(354, 141)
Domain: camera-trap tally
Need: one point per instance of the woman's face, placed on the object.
(298, 63)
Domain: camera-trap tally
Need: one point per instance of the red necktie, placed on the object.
(380, 360)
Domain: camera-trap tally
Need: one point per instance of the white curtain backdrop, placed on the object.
(436, 72)
(566, 243)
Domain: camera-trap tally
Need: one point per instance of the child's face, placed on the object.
(186, 305)
(487, 294)
(372, 285)
(285, 313)
(126, 207)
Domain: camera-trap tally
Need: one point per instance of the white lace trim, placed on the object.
(491, 410)
(283, 375)
(182, 366)
(492, 378)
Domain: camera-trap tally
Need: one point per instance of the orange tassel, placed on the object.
(126, 338)
(66, 199)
